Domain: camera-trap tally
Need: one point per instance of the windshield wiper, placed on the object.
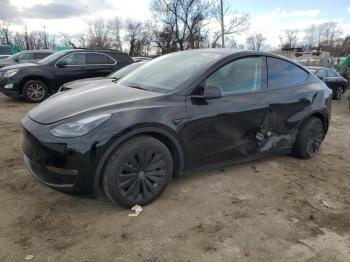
(138, 87)
(114, 79)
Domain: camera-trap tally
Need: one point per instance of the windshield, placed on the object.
(23, 55)
(51, 58)
(125, 70)
(169, 72)
(17, 54)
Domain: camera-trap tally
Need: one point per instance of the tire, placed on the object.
(35, 91)
(137, 172)
(309, 139)
(338, 93)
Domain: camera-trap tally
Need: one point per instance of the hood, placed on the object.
(86, 81)
(6, 62)
(20, 65)
(77, 101)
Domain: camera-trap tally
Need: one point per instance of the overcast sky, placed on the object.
(270, 17)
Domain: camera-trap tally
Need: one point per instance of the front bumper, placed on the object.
(66, 165)
(11, 92)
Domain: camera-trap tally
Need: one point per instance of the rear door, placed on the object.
(288, 99)
(100, 64)
(225, 128)
(76, 68)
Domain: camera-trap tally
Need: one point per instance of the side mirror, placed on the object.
(61, 64)
(210, 92)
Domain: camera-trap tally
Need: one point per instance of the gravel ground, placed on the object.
(276, 209)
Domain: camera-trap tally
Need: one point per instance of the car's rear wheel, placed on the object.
(35, 91)
(338, 93)
(309, 139)
(138, 171)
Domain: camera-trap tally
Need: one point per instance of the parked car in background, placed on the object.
(4, 56)
(29, 56)
(5, 50)
(115, 76)
(181, 111)
(35, 82)
(140, 58)
(332, 78)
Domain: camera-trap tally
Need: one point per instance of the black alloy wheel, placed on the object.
(314, 139)
(309, 139)
(138, 171)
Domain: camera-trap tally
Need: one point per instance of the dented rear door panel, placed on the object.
(287, 108)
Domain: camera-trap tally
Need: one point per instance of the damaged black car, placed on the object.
(179, 112)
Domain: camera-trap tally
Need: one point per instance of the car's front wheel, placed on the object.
(309, 139)
(138, 171)
(338, 93)
(35, 91)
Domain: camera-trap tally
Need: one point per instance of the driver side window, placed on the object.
(75, 59)
(240, 76)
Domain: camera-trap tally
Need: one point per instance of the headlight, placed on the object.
(10, 73)
(80, 127)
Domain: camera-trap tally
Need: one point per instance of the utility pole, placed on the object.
(222, 25)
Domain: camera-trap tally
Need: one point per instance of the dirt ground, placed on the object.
(277, 209)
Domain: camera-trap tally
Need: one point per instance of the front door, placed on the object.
(75, 68)
(225, 128)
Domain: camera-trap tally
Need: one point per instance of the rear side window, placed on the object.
(75, 59)
(41, 55)
(99, 59)
(283, 74)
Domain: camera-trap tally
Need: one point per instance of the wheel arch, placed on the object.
(33, 77)
(159, 133)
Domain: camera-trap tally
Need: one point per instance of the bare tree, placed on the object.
(98, 34)
(237, 24)
(114, 27)
(329, 31)
(185, 19)
(5, 33)
(44, 38)
(311, 36)
(255, 41)
(133, 35)
(83, 40)
(26, 38)
(290, 38)
(18, 40)
(66, 40)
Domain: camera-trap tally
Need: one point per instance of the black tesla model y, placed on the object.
(179, 112)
